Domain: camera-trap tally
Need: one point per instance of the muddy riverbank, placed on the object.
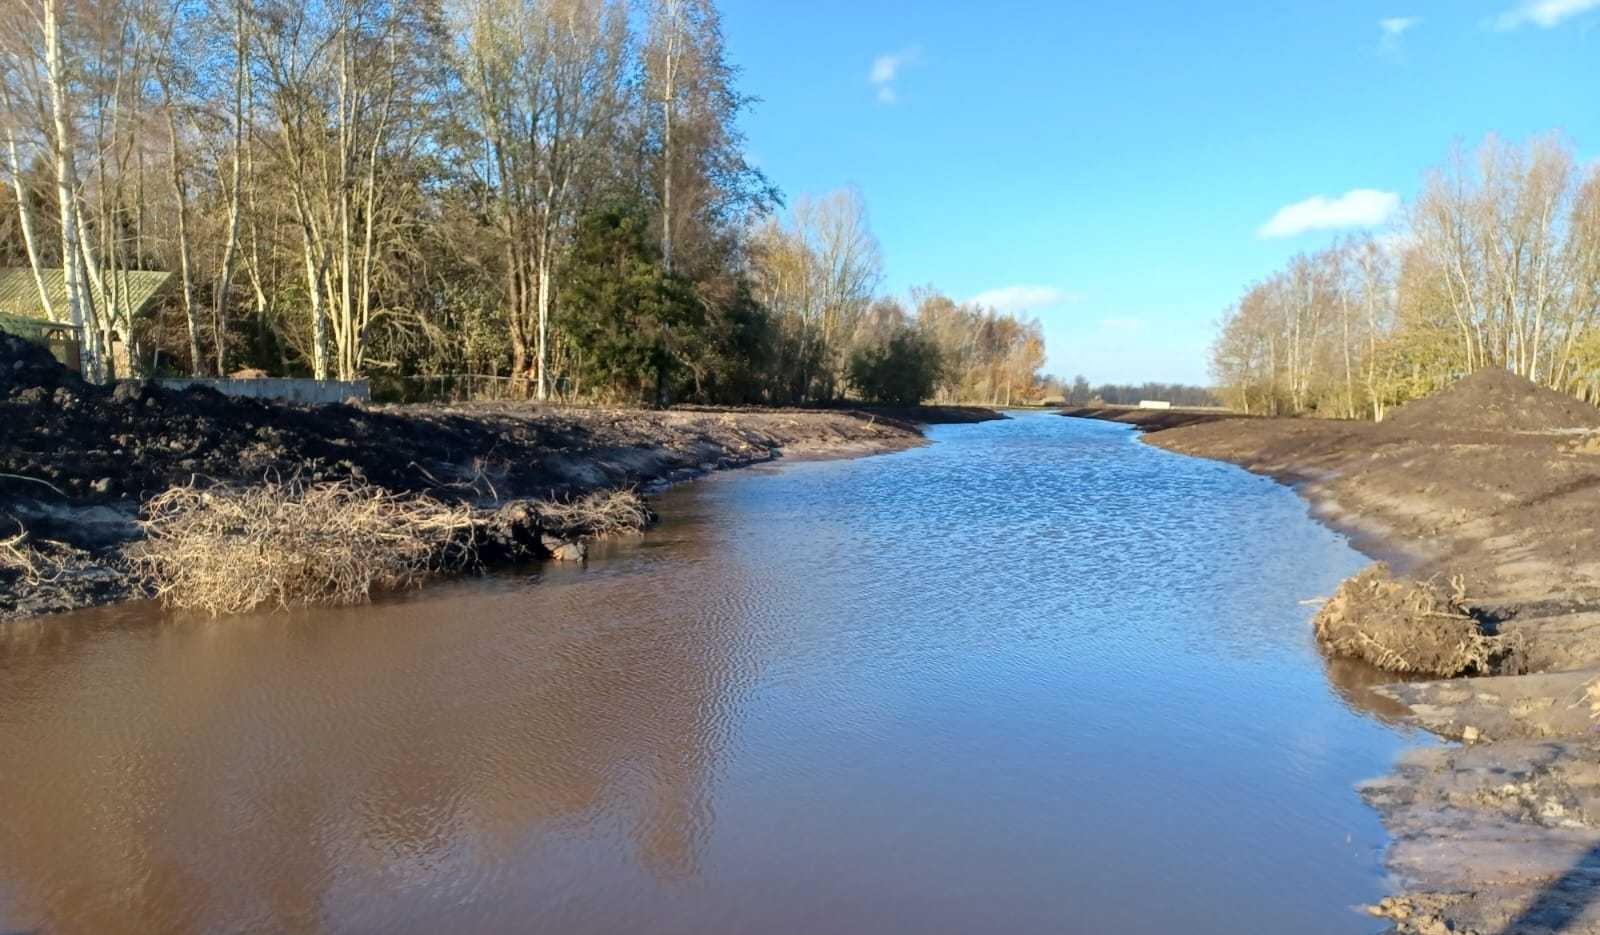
(1493, 485)
(77, 461)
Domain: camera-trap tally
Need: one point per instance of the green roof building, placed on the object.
(23, 314)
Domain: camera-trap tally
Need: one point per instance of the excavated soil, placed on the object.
(1496, 400)
(1486, 499)
(77, 460)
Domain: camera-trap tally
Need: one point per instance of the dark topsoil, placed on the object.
(78, 458)
(1490, 488)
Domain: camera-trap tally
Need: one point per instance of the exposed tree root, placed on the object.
(1408, 627)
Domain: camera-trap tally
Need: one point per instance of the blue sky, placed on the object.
(1116, 168)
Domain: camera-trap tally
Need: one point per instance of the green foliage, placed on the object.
(902, 371)
(635, 324)
(550, 201)
(741, 351)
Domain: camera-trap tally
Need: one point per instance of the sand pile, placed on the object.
(1496, 400)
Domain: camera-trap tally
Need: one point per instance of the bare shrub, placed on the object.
(20, 558)
(600, 514)
(36, 561)
(289, 544)
(1407, 627)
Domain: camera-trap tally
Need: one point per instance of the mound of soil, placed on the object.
(1405, 626)
(97, 444)
(1496, 400)
(25, 365)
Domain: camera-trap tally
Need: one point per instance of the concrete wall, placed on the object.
(294, 391)
(1154, 404)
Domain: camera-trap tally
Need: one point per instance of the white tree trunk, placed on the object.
(66, 192)
(25, 219)
(542, 351)
(180, 194)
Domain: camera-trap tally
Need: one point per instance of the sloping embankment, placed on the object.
(1150, 420)
(77, 460)
(1492, 486)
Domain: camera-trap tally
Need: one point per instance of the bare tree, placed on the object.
(547, 83)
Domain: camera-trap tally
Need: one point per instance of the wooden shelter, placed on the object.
(24, 313)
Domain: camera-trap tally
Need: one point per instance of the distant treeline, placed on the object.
(552, 196)
(1080, 393)
(1495, 264)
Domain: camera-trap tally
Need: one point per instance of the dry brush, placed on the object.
(226, 550)
(286, 544)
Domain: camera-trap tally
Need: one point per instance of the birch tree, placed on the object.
(1498, 266)
(547, 82)
(339, 80)
(63, 143)
(704, 183)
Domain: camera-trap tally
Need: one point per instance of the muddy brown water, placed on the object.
(1035, 677)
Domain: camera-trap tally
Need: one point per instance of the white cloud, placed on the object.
(886, 68)
(1363, 207)
(1543, 13)
(1396, 26)
(1015, 300)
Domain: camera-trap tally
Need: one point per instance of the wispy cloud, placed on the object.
(1363, 207)
(886, 70)
(1014, 300)
(1543, 13)
(1393, 28)
(1397, 26)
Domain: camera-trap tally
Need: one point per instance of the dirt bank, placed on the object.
(77, 460)
(1492, 486)
(1151, 420)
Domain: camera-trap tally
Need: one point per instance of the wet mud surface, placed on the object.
(1491, 487)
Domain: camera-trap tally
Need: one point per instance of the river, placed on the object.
(1033, 677)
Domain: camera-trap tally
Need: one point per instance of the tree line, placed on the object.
(551, 193)
(1496, 264)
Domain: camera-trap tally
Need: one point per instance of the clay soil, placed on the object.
(77, 460)
(1488, 492)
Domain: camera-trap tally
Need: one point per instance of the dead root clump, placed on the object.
(36, 562)
(596, 516)
(1407, 627)
(40, 576)
(227, 550)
